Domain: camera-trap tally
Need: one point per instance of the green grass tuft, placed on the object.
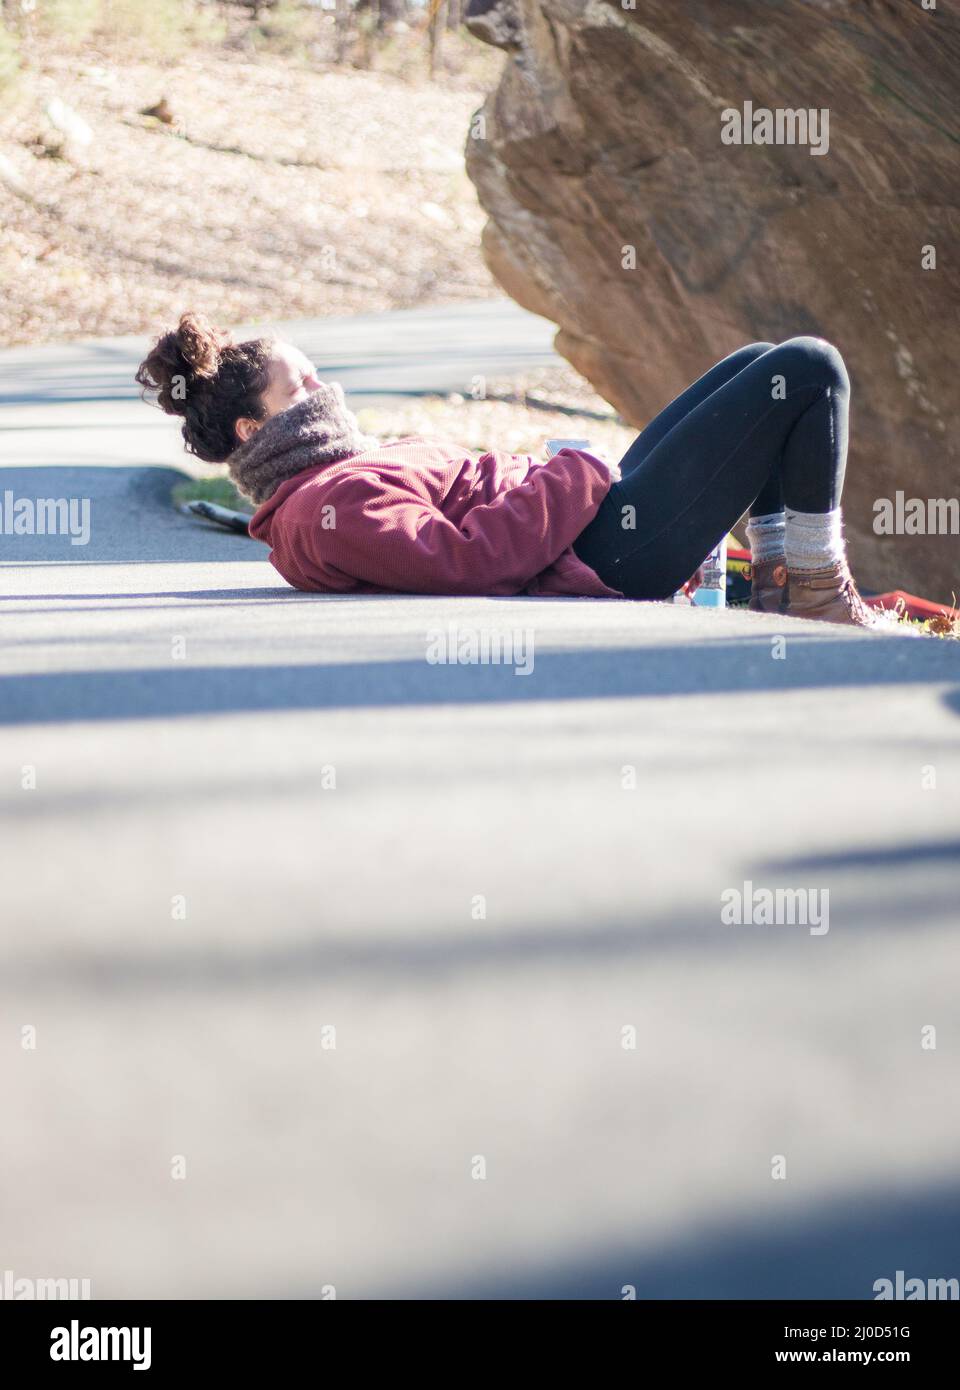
(218, 490)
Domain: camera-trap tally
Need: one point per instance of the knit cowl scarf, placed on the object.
(316, 431)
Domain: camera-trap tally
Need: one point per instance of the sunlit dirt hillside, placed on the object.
(264, 188)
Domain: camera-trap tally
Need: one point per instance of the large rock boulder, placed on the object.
(605, 134)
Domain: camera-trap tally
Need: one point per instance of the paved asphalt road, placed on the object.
(350, 968)
(438, 349)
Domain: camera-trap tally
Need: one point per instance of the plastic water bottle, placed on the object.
(712, 593)
(555, 445)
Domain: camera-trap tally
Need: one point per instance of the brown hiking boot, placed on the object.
(768, 586)
(829, 594)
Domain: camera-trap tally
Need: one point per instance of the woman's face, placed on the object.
(292, 378)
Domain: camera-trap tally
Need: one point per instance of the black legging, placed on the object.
(766, 427)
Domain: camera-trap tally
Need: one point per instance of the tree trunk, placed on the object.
(437, 16)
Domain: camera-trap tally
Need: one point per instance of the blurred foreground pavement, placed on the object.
(260, 816)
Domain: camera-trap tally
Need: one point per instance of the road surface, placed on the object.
(353, 970)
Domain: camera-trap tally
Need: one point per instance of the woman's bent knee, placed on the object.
(751, 351)
(818, 356)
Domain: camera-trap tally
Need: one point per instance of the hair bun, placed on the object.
(200, 344)
(192, 352)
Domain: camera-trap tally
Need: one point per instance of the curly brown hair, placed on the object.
(199, 372)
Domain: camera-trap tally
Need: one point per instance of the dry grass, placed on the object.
(945, 624)
(285, 185)
(517, 416)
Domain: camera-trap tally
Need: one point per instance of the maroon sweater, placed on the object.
(421, 516)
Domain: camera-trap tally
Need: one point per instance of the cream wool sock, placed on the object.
(814, 540)
(765, 537)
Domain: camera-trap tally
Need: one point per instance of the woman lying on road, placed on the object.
(765, 429)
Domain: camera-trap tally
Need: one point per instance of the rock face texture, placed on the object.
(621, 209)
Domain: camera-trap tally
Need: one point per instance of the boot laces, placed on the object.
(852, 598)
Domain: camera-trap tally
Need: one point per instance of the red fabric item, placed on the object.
(914, 607)
(422, 517)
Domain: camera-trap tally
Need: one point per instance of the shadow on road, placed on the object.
(835, 1251)
(386, 959)
(740, 666)
(132, 519)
